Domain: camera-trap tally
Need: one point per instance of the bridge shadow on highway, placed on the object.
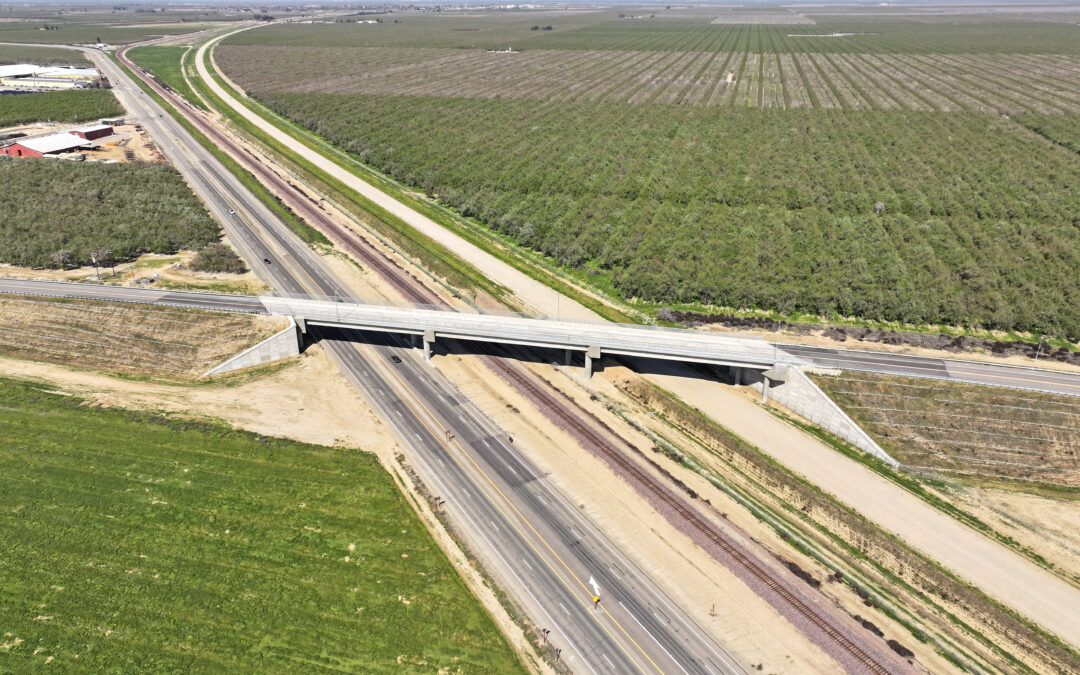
(443, 347)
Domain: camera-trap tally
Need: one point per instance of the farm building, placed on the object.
(85, 74)
(95, 132)
(40, 83)
(29, 76)
(53, 144)
(19, 70)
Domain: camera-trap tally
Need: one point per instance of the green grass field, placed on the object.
(164, 62)
(58, 106)
(41, 56)
(134, 543)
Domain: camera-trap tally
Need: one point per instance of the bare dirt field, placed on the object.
(128, 144)
(1044, 524)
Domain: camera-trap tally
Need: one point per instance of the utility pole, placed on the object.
(1039, 350)
(93, 258)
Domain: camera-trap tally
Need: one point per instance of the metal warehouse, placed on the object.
(53, 144)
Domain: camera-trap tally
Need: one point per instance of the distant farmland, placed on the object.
(880, 167)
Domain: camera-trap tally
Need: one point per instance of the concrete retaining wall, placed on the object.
(799, 394)
(283, 345)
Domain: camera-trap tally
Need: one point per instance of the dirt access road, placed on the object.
(1001, 573)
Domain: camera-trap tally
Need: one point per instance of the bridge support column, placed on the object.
(590, 354)
(737, 371)
(301, 323)
(569, 357)
(429, 340)
(415, 339)
(764, 388)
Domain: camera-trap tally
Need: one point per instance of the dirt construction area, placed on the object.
(150, 270)
(129, 142)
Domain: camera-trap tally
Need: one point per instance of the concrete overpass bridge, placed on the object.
(593, 339)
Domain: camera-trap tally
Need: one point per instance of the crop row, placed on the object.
(675, 31)
(799, 210)
(981, 83)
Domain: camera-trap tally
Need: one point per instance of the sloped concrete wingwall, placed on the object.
(283, 345)
(800, 395)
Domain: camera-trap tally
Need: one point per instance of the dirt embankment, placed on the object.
(985, 617)
(166, 342)
(938, 341)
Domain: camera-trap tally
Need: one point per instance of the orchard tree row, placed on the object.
(922, 217)
(57, 214)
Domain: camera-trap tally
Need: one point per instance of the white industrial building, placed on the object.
(29, 76)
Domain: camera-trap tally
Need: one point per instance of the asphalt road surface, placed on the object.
(542, 549)
(957, 370)
(248, 304)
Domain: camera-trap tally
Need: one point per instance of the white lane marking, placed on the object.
(653, 637)
(476, 526)
(607, 659)
(419, 438)
(399, 414)
(494, 525)
(595, 586)
(612, 570)
(648, 583)
(442, 464)
(527, 564)
(564, 609)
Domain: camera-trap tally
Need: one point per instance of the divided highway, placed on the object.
(539, 546)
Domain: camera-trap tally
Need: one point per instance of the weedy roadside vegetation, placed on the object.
(166, 64)
(169, 343)
(982, 435)
(139, 541)
(963, 625)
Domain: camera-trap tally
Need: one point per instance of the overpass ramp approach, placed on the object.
(594, 339)
(751, 353)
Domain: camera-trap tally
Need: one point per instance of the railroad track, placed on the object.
(702, 526)
(365, 252)
(416, 292)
